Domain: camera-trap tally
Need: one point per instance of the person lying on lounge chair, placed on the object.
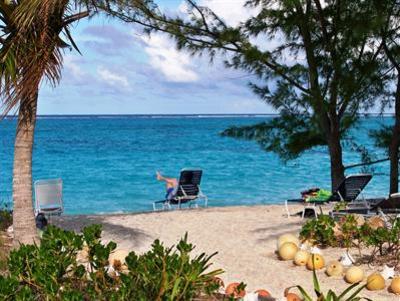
(171, 184)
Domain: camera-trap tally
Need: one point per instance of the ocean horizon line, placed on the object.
(179, 115)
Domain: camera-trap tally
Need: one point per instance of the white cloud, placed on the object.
(232, 12)
(112, 78)
(176, 66)
(71, 64)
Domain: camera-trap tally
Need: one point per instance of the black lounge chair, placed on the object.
(388, 205)
(348, 191)
(188, 191)
(374, 206)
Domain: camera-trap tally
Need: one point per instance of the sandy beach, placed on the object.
(245, 238)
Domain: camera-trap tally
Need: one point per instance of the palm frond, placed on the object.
(32, 48)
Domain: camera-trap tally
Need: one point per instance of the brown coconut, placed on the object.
(288, 237)
(293, 297)
(301, 258)
(315, 261)
(354, 275)
(287, 251)
(334, 269)
(232, 290)
(395, 286)
(263, 293)
(375, 282)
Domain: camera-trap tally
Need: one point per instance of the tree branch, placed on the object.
(366, 163)
(70, 19)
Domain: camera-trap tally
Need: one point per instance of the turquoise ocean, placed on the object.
(108, 163)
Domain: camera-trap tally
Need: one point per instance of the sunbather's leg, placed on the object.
(169, 182)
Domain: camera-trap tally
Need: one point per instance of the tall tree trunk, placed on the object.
(395, 144)
(336, 158)
(23, 215)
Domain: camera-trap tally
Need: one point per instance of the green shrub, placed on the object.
(382, 244)
(319, 231)
(5, 216)
(52, 271)
(350, 232)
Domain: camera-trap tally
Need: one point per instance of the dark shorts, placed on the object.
(170, 193)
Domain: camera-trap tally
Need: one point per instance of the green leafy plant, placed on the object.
(319, 230)
(350, 232)
(375, 244)
(5, 222)
(349, 294)
(54, 270)
(342, 205)
(5, 215)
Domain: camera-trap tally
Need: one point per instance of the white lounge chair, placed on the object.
(48, 197)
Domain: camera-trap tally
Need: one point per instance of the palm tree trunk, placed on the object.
(23, 216)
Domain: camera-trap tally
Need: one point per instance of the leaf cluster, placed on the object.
(53, 271)
(319, 231)
(5, 216)
(381, 243)
(33, 36)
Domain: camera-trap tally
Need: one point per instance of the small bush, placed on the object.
(5, 216)
(381, 243)
(54, 270)
(319, 231)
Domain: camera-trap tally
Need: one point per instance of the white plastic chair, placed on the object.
(48, 197)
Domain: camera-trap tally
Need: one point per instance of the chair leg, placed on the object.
(287, 209)
(205, 202)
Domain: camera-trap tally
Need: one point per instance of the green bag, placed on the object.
(322, 196)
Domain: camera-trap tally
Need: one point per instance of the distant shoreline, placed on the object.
(178, 116)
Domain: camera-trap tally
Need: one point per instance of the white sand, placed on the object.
(245, 238)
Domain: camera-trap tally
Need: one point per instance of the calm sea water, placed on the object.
(109, 164)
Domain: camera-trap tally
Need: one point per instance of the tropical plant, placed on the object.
(69, 266)
(319, 231)
(31, 51)
(375, 244)
(5, 216)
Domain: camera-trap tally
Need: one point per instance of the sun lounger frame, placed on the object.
(375, 206)
(183, 196)
(350, 196)
(49, 197)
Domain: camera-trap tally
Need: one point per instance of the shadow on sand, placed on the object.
(119, 233)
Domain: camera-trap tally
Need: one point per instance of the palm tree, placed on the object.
(34, 36)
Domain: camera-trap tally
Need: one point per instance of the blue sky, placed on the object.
(122, 71)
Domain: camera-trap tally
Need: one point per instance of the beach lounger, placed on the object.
(48, 197)
(187, 192)
(348, 191)
(373, 206)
